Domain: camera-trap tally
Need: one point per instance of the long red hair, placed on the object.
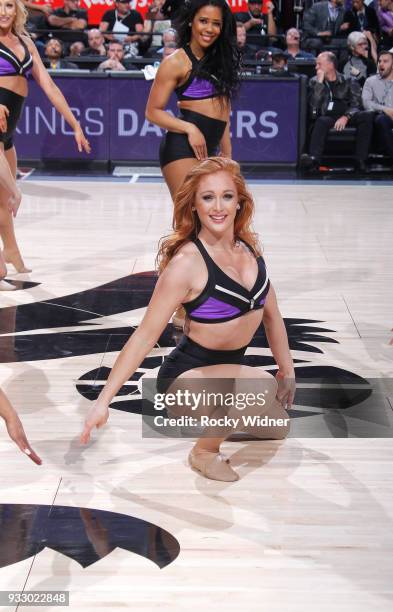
(186, 225)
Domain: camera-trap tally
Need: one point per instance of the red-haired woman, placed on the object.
(213, 266)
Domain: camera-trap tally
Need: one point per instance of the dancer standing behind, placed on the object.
(18, 58)
(204, 73)
(211, 264)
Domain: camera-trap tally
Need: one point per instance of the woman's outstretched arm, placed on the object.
(278, 341)
(54, 94)
(172, 288)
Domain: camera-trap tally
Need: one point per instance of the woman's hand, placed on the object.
(197, 142)
(286, 389)
(81, 140)
(97, 417)
(4, 112)
(17, 434)
(14, 201)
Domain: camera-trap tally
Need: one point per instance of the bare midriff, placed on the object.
(215, 108)
(17, 84)
(229, 335)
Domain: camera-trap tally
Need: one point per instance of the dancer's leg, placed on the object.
(239, 381)
(7, 232)
(10, 191)
(175, 172)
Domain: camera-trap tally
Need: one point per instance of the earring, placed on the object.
(193, 208)
(238, 207)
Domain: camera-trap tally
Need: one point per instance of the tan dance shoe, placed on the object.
(213, 466)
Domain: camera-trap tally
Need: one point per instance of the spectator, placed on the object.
(292, 40)
(385, 17)
(70, 17)
(335, 103)
(115, 59)
(168, 36)
(171, 8)
(122, 23)
(77, 48)
(96, 43)
(257, 23)
(169, 48)
(54, 52)
(35, 11)
(247, 51)
(156, 23)
(279, 65)
(323, 24)
(378, 97)
(359, 65)
(361, 18)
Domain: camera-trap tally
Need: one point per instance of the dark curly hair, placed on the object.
(222, 62)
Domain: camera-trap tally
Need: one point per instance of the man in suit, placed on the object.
(361, 18)
(323, 26)
(54, 53)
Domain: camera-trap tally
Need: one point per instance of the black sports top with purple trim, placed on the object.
(10, 64)
(223, 298)
(195, 88)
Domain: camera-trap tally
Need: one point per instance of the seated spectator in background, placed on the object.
(155, 23)
(292, 40)
(171, 8)
(70, 17)
(76, 49)
(247, 51)
(168, 49)
(335, 103)
(96, 41)
(279, 65)
(385, 18)
(257, 24)
(115, 59)
(121, 23)
(54, 52)
(36, 11)
(360, 65)
(378, 97)
(168, 35)
(361, 18)
(323, 25)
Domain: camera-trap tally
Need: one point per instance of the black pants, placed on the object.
(383, 127)
(362, 121)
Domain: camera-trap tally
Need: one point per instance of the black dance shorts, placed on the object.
(188, 355)
(14, 103)
(176, 146)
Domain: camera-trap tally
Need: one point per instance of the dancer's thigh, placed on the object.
(175, 172)
(240, 394)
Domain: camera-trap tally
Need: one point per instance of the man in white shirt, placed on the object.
(377, 96)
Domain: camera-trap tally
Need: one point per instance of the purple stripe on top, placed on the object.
(199, 88)
(214, 309)
(6, 67)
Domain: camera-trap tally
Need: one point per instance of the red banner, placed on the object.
(96, 8)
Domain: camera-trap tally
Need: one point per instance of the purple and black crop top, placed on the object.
(10, 65)
(223, 298)
(195, 88)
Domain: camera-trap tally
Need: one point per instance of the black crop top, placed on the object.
(223, 298)
(195, 88)
(10, 64)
